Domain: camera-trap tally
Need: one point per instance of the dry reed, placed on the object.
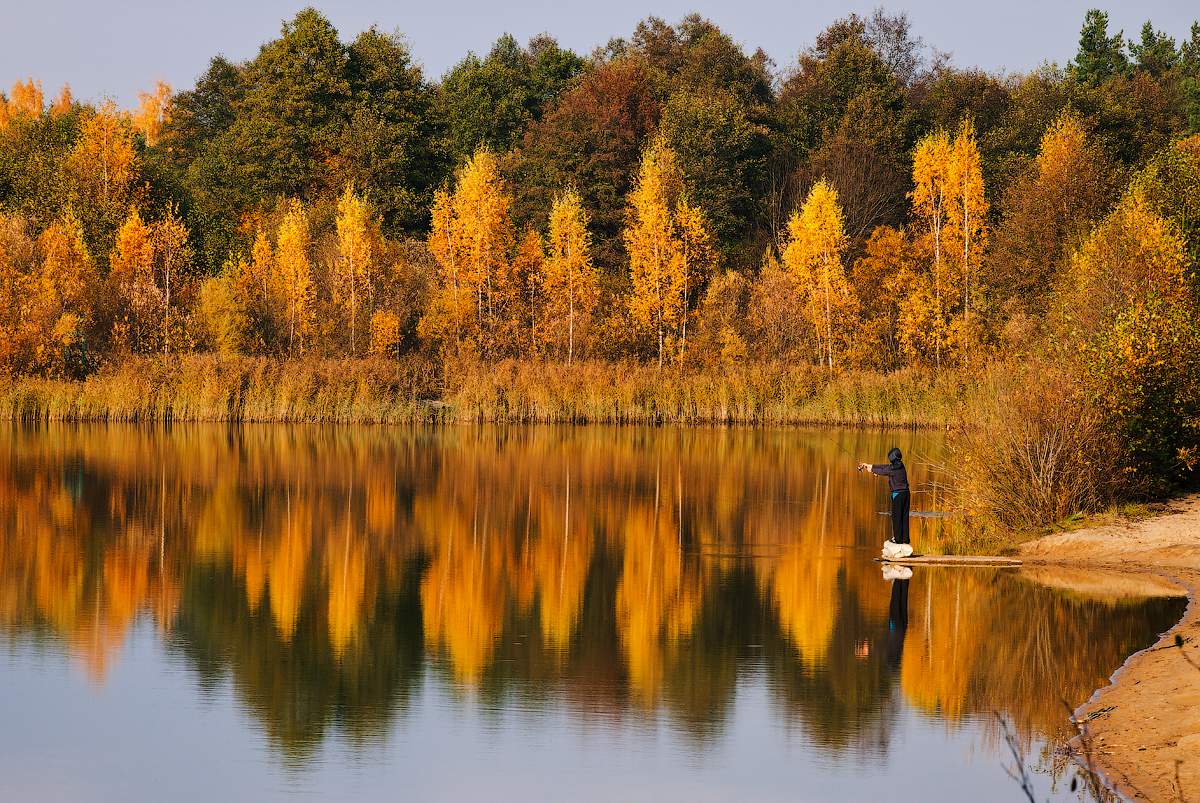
(209, 388)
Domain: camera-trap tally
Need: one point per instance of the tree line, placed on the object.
(668, 197)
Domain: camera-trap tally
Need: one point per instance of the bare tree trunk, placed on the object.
(828, 319)
(167, 309)
(966, 266)
(683, 321)
(570, 306)
(937, 276)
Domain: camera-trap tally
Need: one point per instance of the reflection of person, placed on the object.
(897, 476)
(897, 622)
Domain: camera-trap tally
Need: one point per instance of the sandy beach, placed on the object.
(1145, 726)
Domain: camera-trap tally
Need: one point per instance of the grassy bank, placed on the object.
(208, 388)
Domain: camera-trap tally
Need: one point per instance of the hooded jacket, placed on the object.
(895, 471)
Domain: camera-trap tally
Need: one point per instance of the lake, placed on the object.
(318, 613)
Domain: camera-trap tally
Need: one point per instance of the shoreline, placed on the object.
(1148, 716)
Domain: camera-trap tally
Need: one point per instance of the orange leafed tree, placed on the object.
(131, 273)
(527, 278)
(24, 100)
(64, 290)
(1048, 212)
(153, 110)
(63, 103)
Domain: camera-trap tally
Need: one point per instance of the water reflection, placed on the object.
(619, 574)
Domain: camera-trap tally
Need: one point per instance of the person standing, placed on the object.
(897, 477)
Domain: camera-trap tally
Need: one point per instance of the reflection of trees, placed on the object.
(985, 641)
(619, 572)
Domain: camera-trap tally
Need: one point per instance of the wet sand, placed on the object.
(1144, 727)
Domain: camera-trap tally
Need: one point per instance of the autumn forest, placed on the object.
(669, 207)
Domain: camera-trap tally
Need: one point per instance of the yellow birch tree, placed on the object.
(813, 254)
(63, 103)
(352, 278)
(481, 209)
(967, 209)
(102, 162)
(131, 273)
(446, 315)
(64, 290)
(656, 294)
(170, 237)
(697, 259)
(152, 112)
(471, 238)
(932, 191)
(294, 272)
(569, 281)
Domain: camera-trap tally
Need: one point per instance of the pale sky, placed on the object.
(118, 48)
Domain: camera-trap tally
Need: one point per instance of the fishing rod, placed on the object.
(923, 514)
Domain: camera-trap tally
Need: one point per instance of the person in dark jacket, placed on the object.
(897, 477)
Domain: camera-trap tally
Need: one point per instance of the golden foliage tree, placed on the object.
(131, 273)
(221, 308)
(656, 293)
(16, 254)
(884, 277)
(63, 294)
(931, 197)
(24, 100)
(353, 275)
(174, 255)
(152, 113)
(257, 284)
(471, 239)
(293, 274)
(1133, 253)
(102, 163)
(63, 103)
(385, 333)
(967, 211)
(568, 278)
(1048, 212)
(697, 259)
(813, 255)
(771, 313)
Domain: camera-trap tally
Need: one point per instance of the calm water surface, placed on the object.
(206, 613)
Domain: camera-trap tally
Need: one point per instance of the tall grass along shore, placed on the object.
(198, 387)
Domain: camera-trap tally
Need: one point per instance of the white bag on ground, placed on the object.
(894, 551)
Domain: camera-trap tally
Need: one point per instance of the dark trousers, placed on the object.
(900, 517)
